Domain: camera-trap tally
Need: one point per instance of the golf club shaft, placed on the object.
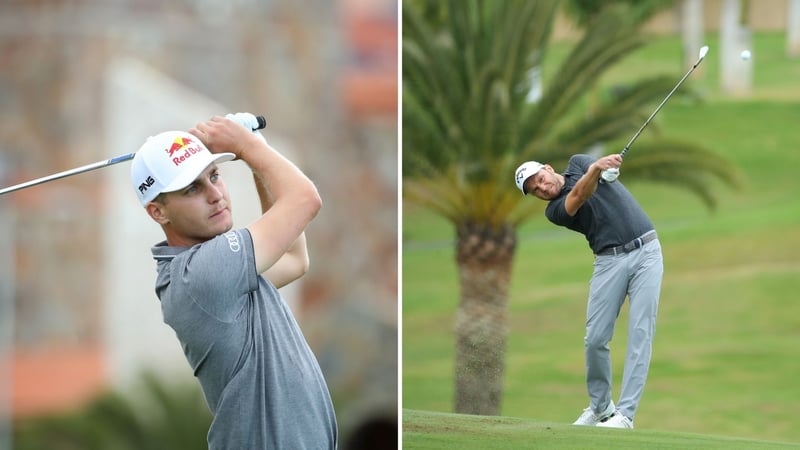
(89, 167)
(628, 146)
(67, 173)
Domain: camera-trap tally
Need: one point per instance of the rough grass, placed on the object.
(431, 431)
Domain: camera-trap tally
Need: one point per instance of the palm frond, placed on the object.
(464, 85)
(583, 12)
(456, 198)
(610, 38)
(624, 113)
(684, 165)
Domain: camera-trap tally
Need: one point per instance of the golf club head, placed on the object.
(703, 51)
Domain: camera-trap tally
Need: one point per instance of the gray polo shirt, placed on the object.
(259, 377)
(610, 217)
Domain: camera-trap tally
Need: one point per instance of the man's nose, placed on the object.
(214, 193)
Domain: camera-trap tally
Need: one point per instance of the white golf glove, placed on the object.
(248, 121)
(609, 175)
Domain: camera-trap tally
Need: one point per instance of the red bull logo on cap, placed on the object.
(182, 149)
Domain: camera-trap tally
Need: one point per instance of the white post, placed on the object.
(7, 271)
(735, 73)
(535, 77)
(692, 30)
(793, 29)
(535, 93)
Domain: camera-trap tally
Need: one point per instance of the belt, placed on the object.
(630, 246)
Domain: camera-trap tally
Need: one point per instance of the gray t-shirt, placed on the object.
(610, 217)
(259, 377)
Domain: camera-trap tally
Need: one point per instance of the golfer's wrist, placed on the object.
(252, 149)
(594, 171)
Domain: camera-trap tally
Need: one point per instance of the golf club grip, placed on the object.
(262, 122)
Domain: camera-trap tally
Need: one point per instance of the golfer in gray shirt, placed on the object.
(218, 286)
(628, 262)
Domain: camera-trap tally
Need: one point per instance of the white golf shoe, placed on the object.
(589, 418)
(617, 421)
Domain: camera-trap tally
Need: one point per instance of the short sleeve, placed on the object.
(556, 212)
(219, 273)
(579, 164)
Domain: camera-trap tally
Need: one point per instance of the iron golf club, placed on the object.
(610, 175)
(262, 123)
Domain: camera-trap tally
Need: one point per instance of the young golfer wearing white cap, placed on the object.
(218, 285)
(628, 262)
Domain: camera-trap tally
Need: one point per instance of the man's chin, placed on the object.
(224, 229)
(216, 230)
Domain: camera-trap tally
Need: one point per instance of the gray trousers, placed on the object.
(638, 275)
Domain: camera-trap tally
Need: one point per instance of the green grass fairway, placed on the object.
(432, 431)
(726, 357)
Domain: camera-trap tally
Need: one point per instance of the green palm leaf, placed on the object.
(683, 165)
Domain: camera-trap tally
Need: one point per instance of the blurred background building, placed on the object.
(85, 80)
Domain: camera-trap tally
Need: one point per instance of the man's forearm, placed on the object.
(274, 174)
(266, 199)
(294, 263)
(584, 188)
(587, 184)
(264, 196)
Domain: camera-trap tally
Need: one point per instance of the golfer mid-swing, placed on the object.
(218, 285)
(627, 262)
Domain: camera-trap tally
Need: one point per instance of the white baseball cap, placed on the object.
(168, 162)
(525, 171)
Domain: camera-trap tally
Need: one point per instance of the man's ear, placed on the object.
(157, 212)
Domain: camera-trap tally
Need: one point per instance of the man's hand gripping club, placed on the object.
(611, 173)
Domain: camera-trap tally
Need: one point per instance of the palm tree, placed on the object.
(467, 125)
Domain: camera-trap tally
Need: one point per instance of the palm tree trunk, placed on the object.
(483, 256)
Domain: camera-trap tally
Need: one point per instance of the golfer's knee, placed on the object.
(596, 340)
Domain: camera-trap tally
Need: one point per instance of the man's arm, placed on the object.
(294, 263)
(587, 184)
(294, 198)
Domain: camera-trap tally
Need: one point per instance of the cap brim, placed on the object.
(194, 168)
(525, 191)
